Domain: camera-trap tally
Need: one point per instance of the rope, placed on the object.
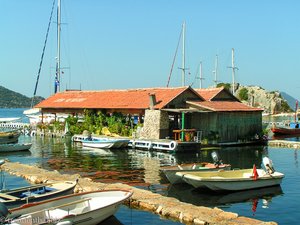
(42, 57)
(174, 59)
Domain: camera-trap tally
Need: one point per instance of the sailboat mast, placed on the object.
(216, 71)
(233, 71)
(201, 75)
(233, 67)
(57, 76)
(183, 54)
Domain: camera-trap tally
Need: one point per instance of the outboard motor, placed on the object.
(3, 212)
(268, 164)
(216, 159)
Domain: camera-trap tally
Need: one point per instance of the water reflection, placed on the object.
(205, 197)
(142, 168)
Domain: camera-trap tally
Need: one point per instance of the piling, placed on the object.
(166, 207)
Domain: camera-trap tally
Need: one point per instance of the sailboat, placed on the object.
(34, 114)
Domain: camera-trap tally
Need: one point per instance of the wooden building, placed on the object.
(214, 112)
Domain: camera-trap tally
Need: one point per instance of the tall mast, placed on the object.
(215, 72)
(183, 56)
(233, 71)
(201, 75)
(57, 75)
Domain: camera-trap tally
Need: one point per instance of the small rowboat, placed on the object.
(28, 194)
(232, 180)
(86, 208)
(170, 171)
(15, 147)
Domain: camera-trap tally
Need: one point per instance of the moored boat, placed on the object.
(292, 128)
(105, 142)
(34, 193)
(170, 171)
(7, 137)
(232, 180)
(15, 147)
(86, 208)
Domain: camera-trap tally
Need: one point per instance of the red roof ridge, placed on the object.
(130, 89)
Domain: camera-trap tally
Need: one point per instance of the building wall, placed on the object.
(230, 126)
(156, 124)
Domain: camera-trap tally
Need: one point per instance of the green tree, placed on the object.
(243, 94)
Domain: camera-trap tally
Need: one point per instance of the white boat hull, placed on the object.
(105, 143)
(235, 180)
(89, 208)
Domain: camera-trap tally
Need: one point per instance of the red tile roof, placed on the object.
(113, 99)
(223, 106)
(209, 93)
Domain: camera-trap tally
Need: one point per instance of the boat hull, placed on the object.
(86, 208)
(285, 131)
(105, 143)
(9, 137)
(15, 147)
(15, 197)
(234, 180)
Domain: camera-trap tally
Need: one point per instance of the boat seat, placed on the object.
(57, 214)
(10, 197)
(217, 177)
(247, 175)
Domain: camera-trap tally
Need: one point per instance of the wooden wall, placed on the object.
(231, 126)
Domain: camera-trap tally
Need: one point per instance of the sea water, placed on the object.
(141, 169)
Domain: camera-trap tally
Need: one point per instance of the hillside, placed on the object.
(272, 102)
(11, 99)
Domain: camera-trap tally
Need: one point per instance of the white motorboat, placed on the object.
(86, 208)
(170, 171)
(232, 180)
(105, 142)
(15, 147)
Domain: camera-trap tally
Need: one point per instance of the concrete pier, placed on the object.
(285, 144)
(167, 207)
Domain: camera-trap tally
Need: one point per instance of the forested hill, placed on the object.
(11, 99)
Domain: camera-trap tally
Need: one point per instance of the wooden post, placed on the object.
(182, 126)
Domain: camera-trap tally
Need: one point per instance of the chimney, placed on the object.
(152, 100)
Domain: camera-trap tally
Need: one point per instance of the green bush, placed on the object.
(243, 94)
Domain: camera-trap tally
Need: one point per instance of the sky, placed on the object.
(125, 44)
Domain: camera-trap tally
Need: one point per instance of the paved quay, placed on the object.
(166, 207)
(285, 144)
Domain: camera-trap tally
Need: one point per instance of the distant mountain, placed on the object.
(11, 99)
(290, 100)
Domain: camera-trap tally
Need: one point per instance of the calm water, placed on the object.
(141, 169)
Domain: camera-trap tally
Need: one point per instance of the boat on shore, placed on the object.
(81, 208)
(170, 171)
(15, 147)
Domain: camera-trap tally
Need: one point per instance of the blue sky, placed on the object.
(114, 44)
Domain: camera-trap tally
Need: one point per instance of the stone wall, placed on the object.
(156, 124)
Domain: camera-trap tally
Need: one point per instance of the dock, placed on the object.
(145, 200)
